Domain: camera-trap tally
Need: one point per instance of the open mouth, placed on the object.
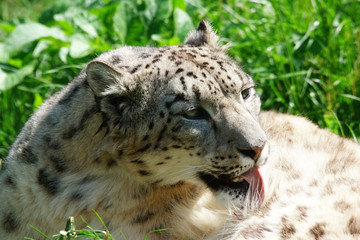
(248, 183)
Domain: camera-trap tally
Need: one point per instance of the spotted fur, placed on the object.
(160, 138)
(134, 137)
(311, 185)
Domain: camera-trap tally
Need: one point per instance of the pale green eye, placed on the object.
(195, 114)
(245, 94)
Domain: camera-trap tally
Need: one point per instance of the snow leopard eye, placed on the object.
(245, 94)
(195, 113)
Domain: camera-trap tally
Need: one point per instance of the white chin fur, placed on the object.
(229, 201)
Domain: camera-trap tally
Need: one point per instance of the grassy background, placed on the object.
(304, 54)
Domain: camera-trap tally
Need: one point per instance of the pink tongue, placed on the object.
(253, 177)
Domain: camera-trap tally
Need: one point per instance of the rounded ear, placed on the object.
(104, 79)
(201, 35)
(204, 35)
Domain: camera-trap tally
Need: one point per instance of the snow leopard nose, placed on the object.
(253, 152)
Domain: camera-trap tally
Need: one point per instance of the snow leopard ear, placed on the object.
(204, 35)
(105, 80)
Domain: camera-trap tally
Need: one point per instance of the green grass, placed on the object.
(70, 232)
(304, 55)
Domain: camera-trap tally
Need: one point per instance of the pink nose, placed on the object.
(253, 152)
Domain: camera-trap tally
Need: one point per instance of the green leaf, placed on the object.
(137, 35)
(150, 11)
(80, 46)
(164, 10)
(77, 19)
(66, 26)
(179, 4)
(63, 53)
(85, 25)
(29, 32)
(41, 46)
(7, 27)
(4, 54)
(183, 24)
(38, 100)
(119, 21)
(9, 80)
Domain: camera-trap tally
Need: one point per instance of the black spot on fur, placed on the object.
(104, 123)
(50, 143)
(176, 146)
(172, 58)
(151, 125)
(191, 55)
(49, 181)
(155, 60)
(178, 184)
(161, 134)
(111, 163)
(143, 149)
(115, 59)
(144, 172)
(138, 161)
(76, 196)
(191, 74)
(10, 222)
(87, 114)
(59, 163)
(69, 95)
(144, 217)
(204, 64)
(27, 156)
(179, 70)
(196, 91)
(182, 79)
(162, 114)
(88, 179)
(168, 104)
(9, 180)
(120, 153)
(146, 137)
(70, 133)
(160, 163)
(145, 55)
(176, 127)
(135, 69)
